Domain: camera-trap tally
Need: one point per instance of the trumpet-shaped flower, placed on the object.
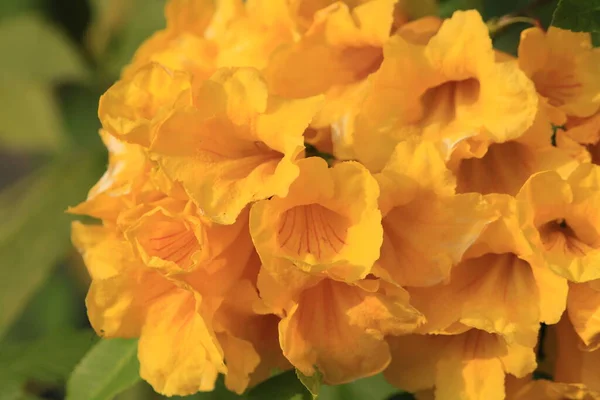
(464, 366)
(426, 227)
(329, 318)
(341, 47)
(564, 67)
(236, 144)
(132, 108)
(500, 286)
(565, 217)
(451, 89)
(335, 227)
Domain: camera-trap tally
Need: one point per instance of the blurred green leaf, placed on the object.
(372, 388)
(58, 306)
(29, 115)
(220, 393)
(108, 17)
(578, 15)
(109, 368)
(419, 8)
(10, 8)
(495, 8)
(80, 111)
(36, 56)
(447, 7)
(34, 49)
(285, 386)
(49, 359)
(35, 231)
(312, 383)
(147, 18)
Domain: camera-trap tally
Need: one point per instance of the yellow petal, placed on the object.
(178, 351)
(425, 238)
(548, 390)
(131, 108)
(584, 313)
(343, 46)
(234, 148)
(318, 229)
(332, 317)
(564, 67)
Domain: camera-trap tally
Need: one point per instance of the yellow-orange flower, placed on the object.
(575, 364)
(500, 286)
(427, 228)
(335, 227)
(548, 390)
(339, 328)
(132, 109)
(342, 46)
(484, 167)
(465, 366)
(566, 213)
(126, 176)
(236, 143)
(451, 89)
(564, 67)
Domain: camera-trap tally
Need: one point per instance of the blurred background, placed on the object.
(56, 58)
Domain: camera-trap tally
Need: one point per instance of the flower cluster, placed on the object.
(329, 186)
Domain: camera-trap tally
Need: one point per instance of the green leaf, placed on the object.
(448, 7)
(285, 386)
(29, 116)
(577, 15)
(147, 18)
(420, 8)
(109, 368)
(10, 8)
(35, 231)
(372, 388)
(220, 393)
(49, 359)
(35, 50)
(495, 8)
(312, 383)
(36, 56)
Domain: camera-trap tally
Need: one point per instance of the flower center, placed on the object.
(558, 235)
(312, 229)
(503, 169)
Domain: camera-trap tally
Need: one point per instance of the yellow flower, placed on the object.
(451, 89)
(426, 227)
(564, 67)
(170, 234)
(338, 328)
(501, 285)
(585, 131)
(566, 218)
(583, 306)
(181, 45)
(177, 351)
(334, 227)
(126, 176)
(342, 46)
(575, 364)
(469, 365)
(190, 324)
(548, 390)
(235, 145)
(247, 33)
(485, 167)
(132, 108)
